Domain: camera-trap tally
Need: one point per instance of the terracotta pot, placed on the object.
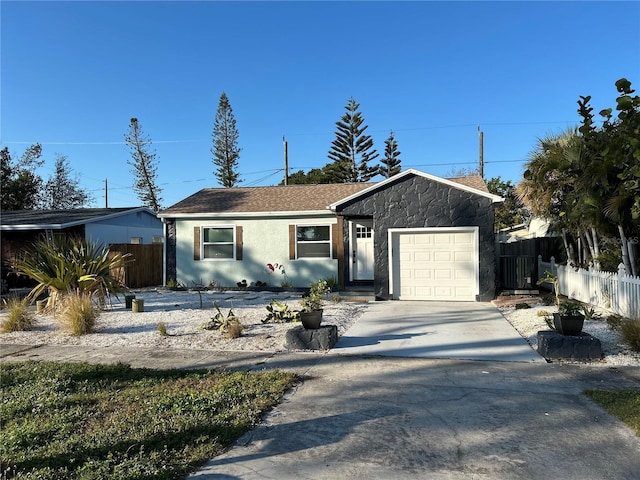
(568, 324)
(311, 320)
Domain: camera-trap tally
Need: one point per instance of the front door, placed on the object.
(362, 261)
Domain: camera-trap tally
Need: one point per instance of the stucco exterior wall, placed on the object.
(414, 202)
(264, 240)
(123, 228)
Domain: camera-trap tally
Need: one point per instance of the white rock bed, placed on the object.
(181, 313)
(183, 317)
(527, 322)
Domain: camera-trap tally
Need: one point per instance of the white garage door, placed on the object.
(435, 265)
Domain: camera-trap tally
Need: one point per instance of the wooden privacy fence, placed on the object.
(146, 268)
(616, 292)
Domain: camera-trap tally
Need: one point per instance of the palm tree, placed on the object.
(71, 265)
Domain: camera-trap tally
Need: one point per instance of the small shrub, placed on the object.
(18, 318)
(332, 282)
(162, 329)
(590, 313)
(173, 283)
(615, 322)
(630, 331)
(234, 328)
(569, 308)
(286, 284)
(336, 298)
(220, 321)
(522, 306)
(280, 313)
(78, 314)
(543, 313)
(548, 299)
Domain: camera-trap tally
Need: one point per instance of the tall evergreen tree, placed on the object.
(62, 191)
(391, 161)
(225, 144)
(19, 185)
(145, 166)
(352, 150)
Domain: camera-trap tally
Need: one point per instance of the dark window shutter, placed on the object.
(292, 242)
(196, 243)
(335, 232)
(238, 242)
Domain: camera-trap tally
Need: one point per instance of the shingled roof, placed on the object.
(59, 219)
(283, 198)
(279, 199)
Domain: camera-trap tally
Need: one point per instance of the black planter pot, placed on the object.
(568, 324)
(311, 320)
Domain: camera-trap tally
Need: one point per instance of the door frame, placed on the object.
(352, 246)
(395, 232)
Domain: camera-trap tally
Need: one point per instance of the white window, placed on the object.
(136, 240)
(313, 241)
(218, 243)
(158, 239)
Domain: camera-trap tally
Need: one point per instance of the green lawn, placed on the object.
(622, 404)
(76, 420)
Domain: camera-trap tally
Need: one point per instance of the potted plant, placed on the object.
(311, 314)
(569, 319)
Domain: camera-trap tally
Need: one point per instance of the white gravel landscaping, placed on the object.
(527, 322)
(183, 316)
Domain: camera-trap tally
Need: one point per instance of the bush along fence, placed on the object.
(617, 292)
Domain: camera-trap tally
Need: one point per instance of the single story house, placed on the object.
(105, 226)
(413, 236)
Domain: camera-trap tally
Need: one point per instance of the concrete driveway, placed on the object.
(453, 330)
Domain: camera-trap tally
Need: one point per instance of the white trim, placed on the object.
(351, 250)
(233, 230)
(330, 240)
(476, 239)
(84, 221)
(411, 171)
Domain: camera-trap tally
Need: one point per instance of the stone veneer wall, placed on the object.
(414, 202)
(171, 268)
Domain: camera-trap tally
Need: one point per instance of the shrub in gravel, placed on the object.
(630, 331)
(78, 314)
(18, 317)
(522, 306)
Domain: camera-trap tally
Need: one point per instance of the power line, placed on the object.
(408, 129)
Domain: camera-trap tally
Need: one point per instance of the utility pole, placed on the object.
(481, 153)
(286, 161)
(106, 194)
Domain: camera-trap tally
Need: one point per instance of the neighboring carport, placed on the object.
(448, 330)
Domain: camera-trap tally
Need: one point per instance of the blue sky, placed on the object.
(74, 73)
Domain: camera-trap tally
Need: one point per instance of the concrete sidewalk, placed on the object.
(361, 417)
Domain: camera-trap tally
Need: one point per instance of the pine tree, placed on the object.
(62, 191)
(225, 145)
(352, 150)
(20, 187)
(391, 161)
(144, 166)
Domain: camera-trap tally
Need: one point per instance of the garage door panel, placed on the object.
(443, 256)
(436, 266)
(423, 256)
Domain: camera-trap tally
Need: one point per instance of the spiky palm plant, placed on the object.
(70, 264)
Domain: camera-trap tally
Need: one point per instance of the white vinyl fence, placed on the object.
(616, 292)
